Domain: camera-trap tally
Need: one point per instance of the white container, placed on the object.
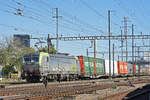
(107, 67)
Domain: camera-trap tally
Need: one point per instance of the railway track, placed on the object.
(58, 90)
(133, 94)
(26, 85)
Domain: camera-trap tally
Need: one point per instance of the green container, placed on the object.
(89, 66)
(99, 64)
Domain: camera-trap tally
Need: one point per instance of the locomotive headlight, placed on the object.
(26, 74)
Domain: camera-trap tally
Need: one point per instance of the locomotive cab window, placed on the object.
(27, 58)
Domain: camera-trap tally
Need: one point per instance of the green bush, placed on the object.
(7, 69)
(114, 86)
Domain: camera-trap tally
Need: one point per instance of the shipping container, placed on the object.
(143, 70)
(81, 65)
(137, 68)
(99, 66)
(91, 66)
(122, 68)
(107, 67)
(131, 67)
(88, 66)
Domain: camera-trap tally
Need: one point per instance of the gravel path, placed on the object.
(100, 94)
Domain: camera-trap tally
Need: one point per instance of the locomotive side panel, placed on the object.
(65, 64)
(59, 66)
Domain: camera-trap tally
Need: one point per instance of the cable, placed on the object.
(48, 6)
(120, 3)
(21, 29)
(26, 7)
(80, 22)
(95, 11)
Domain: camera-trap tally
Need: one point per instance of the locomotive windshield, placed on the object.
(31, 58)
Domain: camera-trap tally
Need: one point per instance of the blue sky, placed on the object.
(78, 17)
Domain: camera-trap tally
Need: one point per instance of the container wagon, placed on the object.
(136, 69)
(144, 69)
(131, 69)
(115, 69)
(122, 68)
(91, 67)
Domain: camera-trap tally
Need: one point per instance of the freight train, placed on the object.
(42, 65)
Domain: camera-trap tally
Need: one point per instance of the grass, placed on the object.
(114, 86)
(99, 97)
(9, 80)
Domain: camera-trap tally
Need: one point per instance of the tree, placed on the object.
(7, 69)
(51, 50)
(11, 54)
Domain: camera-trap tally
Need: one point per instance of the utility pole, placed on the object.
(133, 48)
(88, 61)
(113, 61)
(57, 17)
(125, 33)
(48, 43)
(95, 48)
(87, 53)
(139, 62)
(121, 45)
(109, 43)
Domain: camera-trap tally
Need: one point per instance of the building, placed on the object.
(24, 39)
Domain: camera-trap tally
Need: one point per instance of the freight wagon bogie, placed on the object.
(61, 77)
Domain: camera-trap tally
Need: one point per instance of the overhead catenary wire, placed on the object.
(66, 22)
(80, 22)
(85, 24)
(31, 8)
(23, 30)
(131, 15)
(30, 17)
(96, 12)
(22, 15)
